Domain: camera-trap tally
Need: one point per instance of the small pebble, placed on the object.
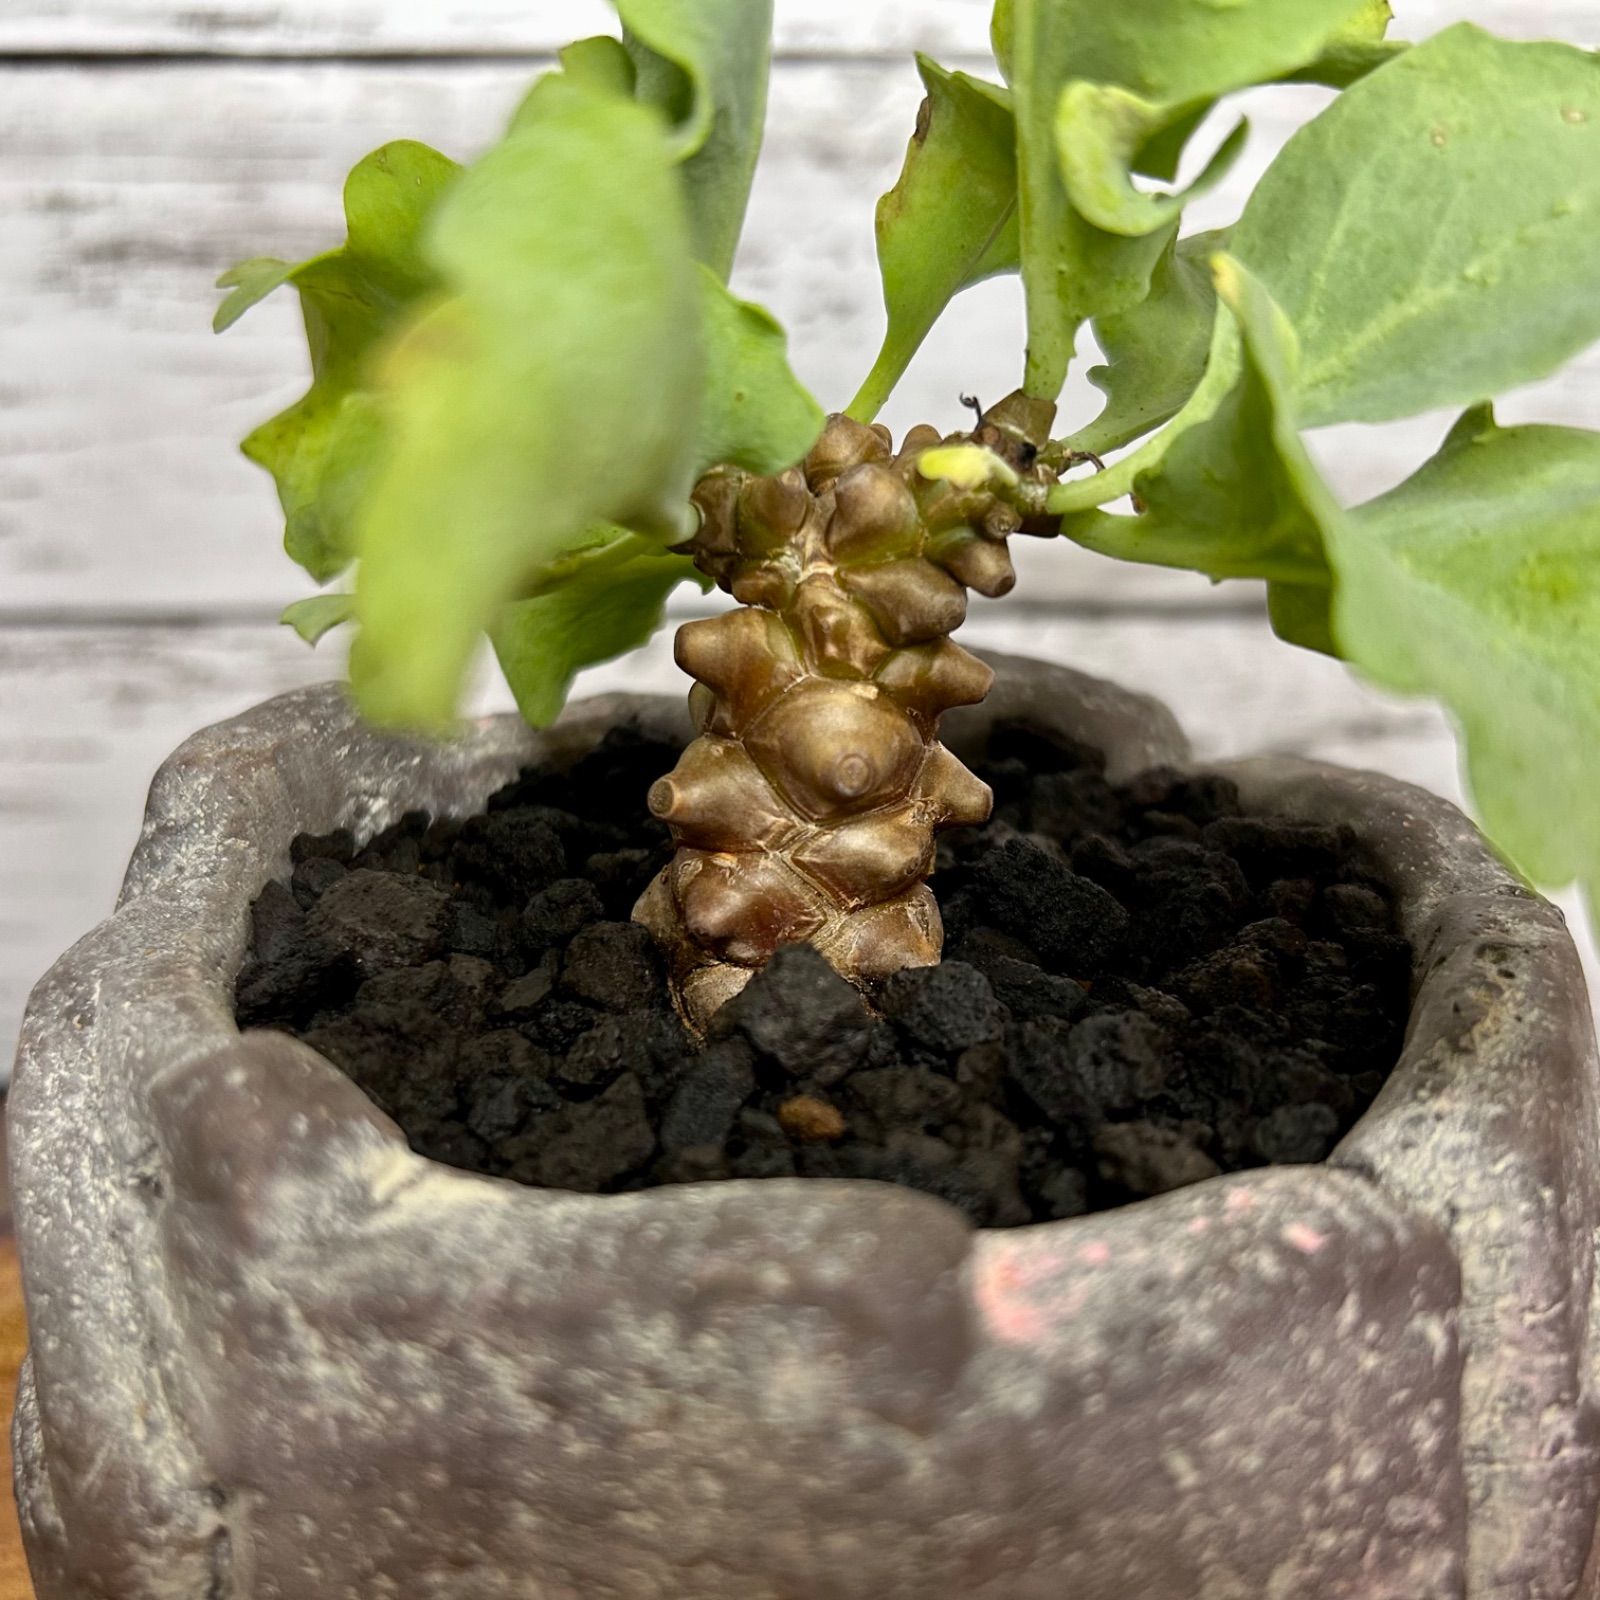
(810, 1120)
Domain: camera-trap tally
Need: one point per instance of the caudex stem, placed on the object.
(806, 808)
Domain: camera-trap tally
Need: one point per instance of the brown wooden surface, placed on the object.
(14, 1583)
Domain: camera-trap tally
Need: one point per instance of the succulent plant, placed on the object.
(807, 806)
(537, 407)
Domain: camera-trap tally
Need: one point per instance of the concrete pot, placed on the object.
(276, 1356)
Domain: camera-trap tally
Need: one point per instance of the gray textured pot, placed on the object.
(275, 1356)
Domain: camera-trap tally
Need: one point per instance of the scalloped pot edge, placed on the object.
(277, 1356)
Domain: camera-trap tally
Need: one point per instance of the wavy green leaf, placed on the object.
(1101, 131)
(1003, 35)
(557, 386)
(1434, 235)
(598, 604)
(323, 449)
(1478, 581)
(1302, 613)
(601, 64)
(1133, 82)
(950, 220)
(754, 412)
(1236, 495)
(318, 615)
(1156, 351)
(704, 63)
(1071, 270)
(1359, 47)
(250, 282)
(1090, 239)
(507, 357)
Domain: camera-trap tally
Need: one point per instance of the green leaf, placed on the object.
(319, 614)
(1162, 154)
(1302, 614)
(1223, 367)
(1235, 495)
(1003, 34)
(601, 64)
(1434, 235)
(1342, 64)
(951, 219)
(1179, 59)
(754, 412)
(251, 282)
(1156, 352)
(1089, 240)
(1478, 581)
(704, 63)
(558, 385)
(1071, 271)
(324, 452)
(1359, 47)
(1367, 25)
(1100, 132)
(323, 449)
(601, 603)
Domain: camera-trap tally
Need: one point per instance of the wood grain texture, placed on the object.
(429, 27)
(127, 189)
(120, 411)
(87, 713)
(258, 27)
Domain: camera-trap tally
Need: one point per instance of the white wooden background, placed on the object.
(146, 144)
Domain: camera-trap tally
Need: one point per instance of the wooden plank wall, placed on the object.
(146, 144)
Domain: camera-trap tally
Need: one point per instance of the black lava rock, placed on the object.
(1144, 1158)
(614, 965)
(558, 913)
(587, 1147)
(945, 1008)
(384, 919)
(1072, 922)
(705, 1106)
(801, 1015)
(1297, 1133)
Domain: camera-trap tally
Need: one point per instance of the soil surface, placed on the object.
(1142, 987)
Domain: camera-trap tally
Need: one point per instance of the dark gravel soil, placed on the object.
(1142, 987)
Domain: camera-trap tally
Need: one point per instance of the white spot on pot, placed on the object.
(1408, 1513)
(1181, 1469)
(1369, 1465)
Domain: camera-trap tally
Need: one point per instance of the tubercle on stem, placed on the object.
(806, 808)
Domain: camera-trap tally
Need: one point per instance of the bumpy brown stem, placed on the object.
(806, 809)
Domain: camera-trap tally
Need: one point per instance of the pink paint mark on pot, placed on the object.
(1240, 1200)
(1199, 1225)
(1304, 1237)
(1095, 1254)
(1003, 1304)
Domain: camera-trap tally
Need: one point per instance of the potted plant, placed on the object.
(1273, 1090)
